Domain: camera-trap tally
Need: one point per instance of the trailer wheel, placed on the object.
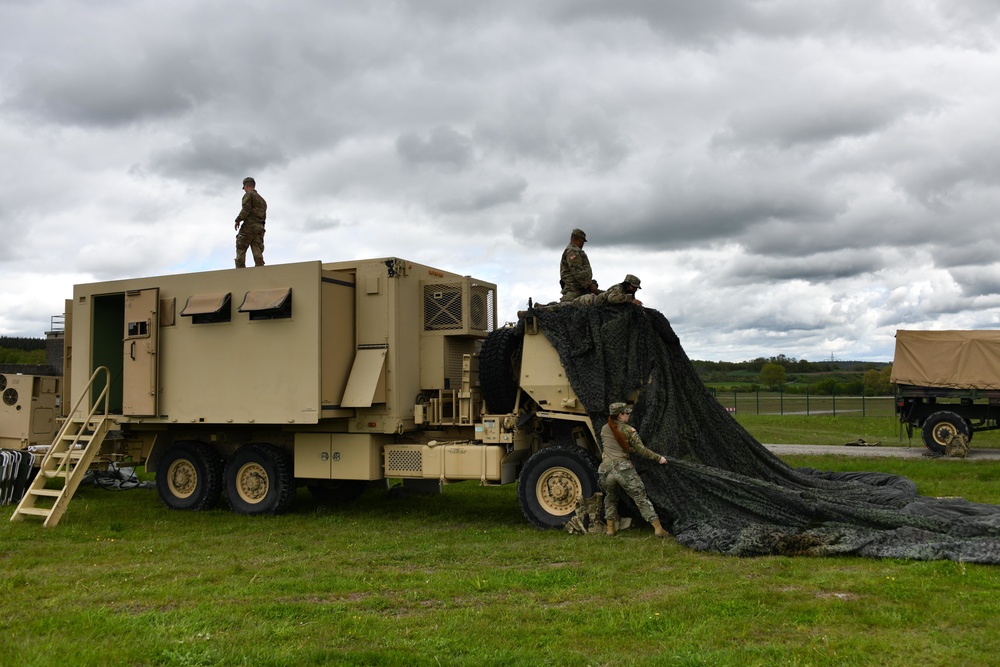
(337, 490)
(189, 476)
(498, 375)
(940, 427)
(551, 482)
(259, 480)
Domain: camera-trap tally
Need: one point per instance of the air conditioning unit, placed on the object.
(459, 307)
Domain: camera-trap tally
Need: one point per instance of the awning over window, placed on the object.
(265, 299)
(206, 304)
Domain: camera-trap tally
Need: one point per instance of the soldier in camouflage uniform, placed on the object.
(251, 234)
(620, 440)
(623, 292)
(575, 275)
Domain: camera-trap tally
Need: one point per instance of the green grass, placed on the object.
(829, 430)
(463, 579)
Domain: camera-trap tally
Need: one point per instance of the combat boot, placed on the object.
(658, 529)
(611, 528)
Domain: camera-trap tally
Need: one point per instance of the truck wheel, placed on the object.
(498, 374)
(189, 476)
(337, 490)
(940, 427)
(259, 480)
(551, 482)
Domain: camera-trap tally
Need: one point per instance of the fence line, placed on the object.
(778, 403)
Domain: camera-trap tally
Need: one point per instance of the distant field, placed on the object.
(768, 403)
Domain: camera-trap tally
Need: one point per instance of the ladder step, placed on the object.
(52, 475)
(70, 437)
(76, 454)
(48, 493)
(34, 511)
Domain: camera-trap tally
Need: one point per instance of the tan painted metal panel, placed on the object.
(338, 456)
(365, 375)
(140, 357)
(237, 372)
(544, 378)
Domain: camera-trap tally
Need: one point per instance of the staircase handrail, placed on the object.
(64, 464)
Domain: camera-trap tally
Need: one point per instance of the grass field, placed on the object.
(463, 579)
(830, 430)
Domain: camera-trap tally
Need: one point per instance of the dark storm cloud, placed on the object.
(979, 281)
(972, 253)
(820, 267)
(504, 191)
(442, 146)
(825, 115)
(576, 138)
(217, 156)
(714, 22)
(705, 207)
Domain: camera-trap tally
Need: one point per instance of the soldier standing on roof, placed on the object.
(251, 234)
(575, 275)
(619, 440)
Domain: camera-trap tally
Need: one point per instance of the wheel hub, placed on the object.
(182, 478)
(558, 490)
(252, 483)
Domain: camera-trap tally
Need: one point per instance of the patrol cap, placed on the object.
(632, 280)
(617, 408)
(249, 181)
(580, 233)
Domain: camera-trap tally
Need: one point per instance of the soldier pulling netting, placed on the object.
(723, 491)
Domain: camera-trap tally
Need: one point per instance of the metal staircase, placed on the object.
(68, 458)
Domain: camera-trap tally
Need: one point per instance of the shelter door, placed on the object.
(139, 376)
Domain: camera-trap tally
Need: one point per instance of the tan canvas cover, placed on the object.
(948, 359)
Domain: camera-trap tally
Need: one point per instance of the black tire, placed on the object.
(337, 490)
(498, 370)
(940, 427)
(552, 480)
(259, 480)
(189, 476)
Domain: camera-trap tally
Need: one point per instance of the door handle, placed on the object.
(131, 351)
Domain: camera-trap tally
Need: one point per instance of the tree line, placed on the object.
(799, 376)
(18, 350)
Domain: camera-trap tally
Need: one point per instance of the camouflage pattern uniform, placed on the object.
(575, 274)
(614, 294)
(251, 234)
(617, 471)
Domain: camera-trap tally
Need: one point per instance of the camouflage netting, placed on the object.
(722, 490)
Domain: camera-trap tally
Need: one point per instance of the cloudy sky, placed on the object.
(786, 177)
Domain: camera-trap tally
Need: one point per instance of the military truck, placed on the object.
(947, 384)
(249, 383)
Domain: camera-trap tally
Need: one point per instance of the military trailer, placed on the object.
(947, 384)
(249, 383)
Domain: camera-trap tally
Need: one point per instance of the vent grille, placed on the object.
(443, 307)
(481, 308)
(403, 462)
